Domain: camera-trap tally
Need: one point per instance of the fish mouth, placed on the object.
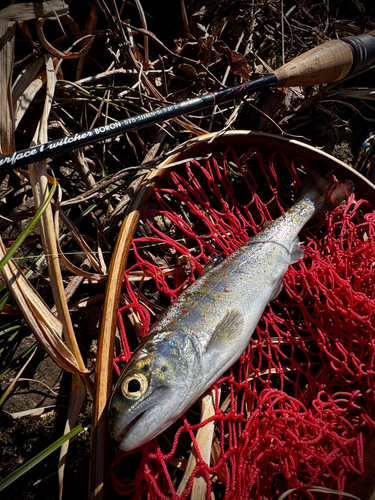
(128, 427)
(133, 424)
(142, 429)
(143, 426)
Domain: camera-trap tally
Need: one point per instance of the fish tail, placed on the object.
(324, 190)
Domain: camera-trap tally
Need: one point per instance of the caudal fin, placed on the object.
(321, 187)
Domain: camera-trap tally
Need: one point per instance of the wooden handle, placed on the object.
(325, 63)
(329, 62)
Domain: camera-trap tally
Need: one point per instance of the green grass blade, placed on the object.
(13, 476)
(30, 226)
(10, 327)
(17, 361)
(4, 299)
(6, 343)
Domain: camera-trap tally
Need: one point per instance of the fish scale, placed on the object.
(209, 326)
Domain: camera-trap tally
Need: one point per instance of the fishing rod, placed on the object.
(326, 63)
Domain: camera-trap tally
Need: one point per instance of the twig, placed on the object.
(204, 444)
(185, 17)
(144, 24)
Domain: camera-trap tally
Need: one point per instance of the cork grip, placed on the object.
(325, 63)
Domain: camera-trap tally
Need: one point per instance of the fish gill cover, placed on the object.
(297, 407)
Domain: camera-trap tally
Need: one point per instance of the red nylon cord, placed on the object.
(301, 399)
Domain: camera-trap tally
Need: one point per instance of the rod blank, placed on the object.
(52, 148)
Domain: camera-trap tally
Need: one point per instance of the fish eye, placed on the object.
(134, 386)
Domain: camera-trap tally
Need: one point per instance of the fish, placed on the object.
(205, 331)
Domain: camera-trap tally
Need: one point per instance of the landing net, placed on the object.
(298, 406)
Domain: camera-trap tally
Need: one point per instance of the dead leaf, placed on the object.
(26, 77)
(39, 183)
(80, 240)
(24, 29)
(76, 400)
(90, 27)
(44, 325)
(27, 96)
(26, 11)
(188, 71)
(43, 411)
(7, 40)
(237, 62)
(63, 55)
(207, 52)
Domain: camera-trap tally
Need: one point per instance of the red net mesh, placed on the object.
(298, 406)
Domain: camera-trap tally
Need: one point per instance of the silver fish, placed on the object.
(208, 328)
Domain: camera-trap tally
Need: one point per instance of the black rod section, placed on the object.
(52, 148)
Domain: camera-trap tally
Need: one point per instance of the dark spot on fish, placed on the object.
(226, 291)
(219, 296)
(225, 266)
(213, 303)
(206, 282)
(193, 303)
(204, 315)
(164, 368)
(264, 271)
(224, 275)
(173, 323)
(185, 312)
(145, 368)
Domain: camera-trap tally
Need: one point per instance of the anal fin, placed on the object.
(296, 252)
(277, 289)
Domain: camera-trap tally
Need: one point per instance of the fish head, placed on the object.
(149, 395)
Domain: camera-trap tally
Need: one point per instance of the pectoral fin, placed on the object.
(228, 332)
(226, 345)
